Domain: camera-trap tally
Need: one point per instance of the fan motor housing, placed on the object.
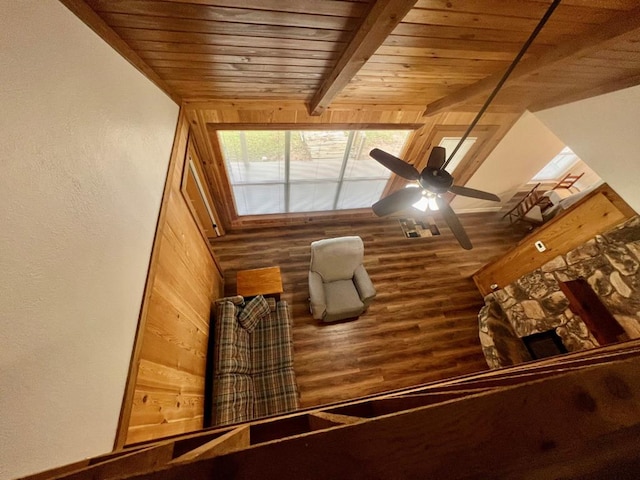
(435, 180)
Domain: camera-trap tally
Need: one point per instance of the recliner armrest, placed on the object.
(363, 284)
(316, 296)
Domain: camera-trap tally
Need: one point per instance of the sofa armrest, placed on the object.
(363, 283)
(236, 300)
(316, 296)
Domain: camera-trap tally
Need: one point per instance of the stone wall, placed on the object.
(534, 303)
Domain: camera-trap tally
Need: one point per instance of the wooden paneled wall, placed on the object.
(165, 391)
(207, 117)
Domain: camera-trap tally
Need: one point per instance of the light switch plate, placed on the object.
(540, 246)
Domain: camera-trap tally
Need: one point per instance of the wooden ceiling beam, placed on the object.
(624, 24)
(378, 23)
(85, 13)
(574, 96)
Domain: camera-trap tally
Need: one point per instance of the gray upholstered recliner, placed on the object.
(339, 285)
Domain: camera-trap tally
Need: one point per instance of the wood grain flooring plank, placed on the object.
(421, 327)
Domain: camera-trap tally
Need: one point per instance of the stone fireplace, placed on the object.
(534, 303)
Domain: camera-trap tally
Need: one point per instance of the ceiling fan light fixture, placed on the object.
(427, 202)
(433, 205)
(423, 204)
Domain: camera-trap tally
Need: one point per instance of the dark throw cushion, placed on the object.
(253, 312)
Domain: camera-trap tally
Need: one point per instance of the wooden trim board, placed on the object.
(597, 212)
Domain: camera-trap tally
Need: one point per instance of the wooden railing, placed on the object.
(571, 415)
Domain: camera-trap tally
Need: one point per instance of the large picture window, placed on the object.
(306, 170)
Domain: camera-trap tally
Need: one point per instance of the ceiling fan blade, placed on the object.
(437, 158)
(397, 166)
(397, 201)
(454, 224)
(472, 192)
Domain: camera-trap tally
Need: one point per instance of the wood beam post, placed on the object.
(625, 23)
(377, 24)
(236, 439)
(322, 420)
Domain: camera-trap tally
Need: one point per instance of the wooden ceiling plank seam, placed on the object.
(178, 74)
(408, 63)
(204, 58)
(378, 23)
(147, 22)
(605, 4)
(379, 61)
(458, 44)
(444, 32)
(525, 9)
(240, 67)
(426, 74)
(325, 7)
(224, 14)
(582, 45)
(86, 14)
(487, 20)
(618, 53)
(428, 52)
(373, 79)
(232, 90)
(230, 96)
(571, 78)
(168, 47)
(210, 107)
(603, 62)
(405, 87)
(302, 82)
(210, 63)
(230, 40)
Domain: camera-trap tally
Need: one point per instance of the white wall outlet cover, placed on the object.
(540, 246)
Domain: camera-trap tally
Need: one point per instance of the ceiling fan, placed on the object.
(434, 180)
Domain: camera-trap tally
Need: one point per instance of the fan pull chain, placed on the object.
(497, 88)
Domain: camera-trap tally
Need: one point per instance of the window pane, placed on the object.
(450, 143)
(259, 199)
(317, 155)
(558, 166)
(360, 193)
(305, 168)
(253, 156)
(312, 196)
(360, 164)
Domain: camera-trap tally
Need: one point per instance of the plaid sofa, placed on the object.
(253, 360)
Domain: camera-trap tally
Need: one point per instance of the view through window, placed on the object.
(558, 166)
(275, 171)
(450, 143)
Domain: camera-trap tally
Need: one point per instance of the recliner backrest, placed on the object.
(336, 258)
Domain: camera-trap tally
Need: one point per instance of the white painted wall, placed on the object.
(85, 142)
(603, 132)
(527, 147)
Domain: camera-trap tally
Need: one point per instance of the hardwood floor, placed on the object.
(421, 327)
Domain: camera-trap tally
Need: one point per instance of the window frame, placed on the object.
(288, 128)
(194, 188)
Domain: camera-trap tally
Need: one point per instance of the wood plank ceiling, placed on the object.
(424, 52)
